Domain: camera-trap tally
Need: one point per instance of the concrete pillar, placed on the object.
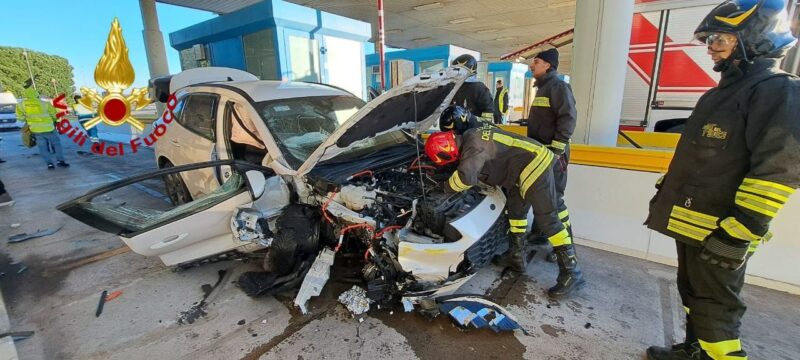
(153, 43)
(599, 63)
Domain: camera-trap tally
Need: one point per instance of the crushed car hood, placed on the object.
(414, 105)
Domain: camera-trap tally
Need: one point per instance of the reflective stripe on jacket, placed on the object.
(738, 160)
(552, 116)
(35, 113)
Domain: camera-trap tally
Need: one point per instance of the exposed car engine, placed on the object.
(403, 202)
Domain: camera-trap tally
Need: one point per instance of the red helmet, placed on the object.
(441, 148)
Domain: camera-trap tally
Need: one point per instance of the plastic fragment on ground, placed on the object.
(478, 312)
(408, 306)
(355, 300)
(315, 279)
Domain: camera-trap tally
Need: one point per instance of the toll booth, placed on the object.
(278, 40)
(514, 79)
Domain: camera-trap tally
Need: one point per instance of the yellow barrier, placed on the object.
(621, 158)
(650, 139)
(617, 157)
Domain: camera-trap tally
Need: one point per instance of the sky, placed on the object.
(77, 30)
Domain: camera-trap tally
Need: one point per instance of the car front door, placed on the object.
(139, 210)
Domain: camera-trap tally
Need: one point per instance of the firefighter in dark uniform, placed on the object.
(736, 164)
(521, 166)
(473, 95)
(500, 102)
(551, 119)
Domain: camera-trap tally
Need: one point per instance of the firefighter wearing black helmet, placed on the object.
(524, 168)
(737, 163)
(473, 95)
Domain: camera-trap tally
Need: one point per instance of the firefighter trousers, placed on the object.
(713, 304)
(560, 175)
(542, 197)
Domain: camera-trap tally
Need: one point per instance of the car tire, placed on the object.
(176, 189)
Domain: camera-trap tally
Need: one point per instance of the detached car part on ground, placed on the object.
(364, 190)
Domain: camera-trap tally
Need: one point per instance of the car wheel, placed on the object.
(176, 189)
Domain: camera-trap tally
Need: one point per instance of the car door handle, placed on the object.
(175, 142)
(168, 241)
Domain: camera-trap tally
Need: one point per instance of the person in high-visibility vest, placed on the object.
(500, 103)
(39, 116)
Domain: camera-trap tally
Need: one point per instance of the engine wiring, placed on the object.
(325, 208)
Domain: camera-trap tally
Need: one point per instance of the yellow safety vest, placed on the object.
(500, 100)
(34, 112)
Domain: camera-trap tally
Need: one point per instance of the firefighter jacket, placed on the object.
(552, 116)
(738, 160)
(475, 97)
(501, 101)
(499, 158)
(37, 113)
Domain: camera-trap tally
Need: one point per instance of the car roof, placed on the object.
(265, 90)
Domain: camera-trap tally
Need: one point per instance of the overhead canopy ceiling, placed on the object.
(492, 27)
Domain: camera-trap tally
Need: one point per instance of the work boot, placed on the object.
(62, 164)
(676, 352)
(570, 276)
(513, 257)
(6, 200)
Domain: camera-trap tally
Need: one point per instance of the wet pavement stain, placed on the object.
(440, 339)
(42, 278)
(553, 331)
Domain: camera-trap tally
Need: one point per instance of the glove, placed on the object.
(556, 150)
(722, 251)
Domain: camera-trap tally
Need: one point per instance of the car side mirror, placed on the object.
(257, 183)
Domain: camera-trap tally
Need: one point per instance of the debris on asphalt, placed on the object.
(14, 226)
(17, 335)
(478, 312)
(25, 236)
(22, 268)
(241, 322)
(113, 295)
(588, 325)
(101, 303)
(315, 279)
(355, 300)
(408, 306)
(264, 321)
(198, 309)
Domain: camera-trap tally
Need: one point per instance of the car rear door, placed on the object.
(193, 140)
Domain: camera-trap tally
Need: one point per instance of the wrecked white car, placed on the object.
(308, 184)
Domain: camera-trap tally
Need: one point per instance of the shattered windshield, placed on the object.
(300, 125)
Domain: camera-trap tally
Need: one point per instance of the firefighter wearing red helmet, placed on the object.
(524, 168)
(737, 163)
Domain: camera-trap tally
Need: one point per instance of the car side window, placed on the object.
(199, 115)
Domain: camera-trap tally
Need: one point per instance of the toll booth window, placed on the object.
(198, 115)
(260, 55)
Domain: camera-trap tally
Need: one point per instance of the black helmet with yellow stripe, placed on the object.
(760, 26)
(467, 61)
(457, 119)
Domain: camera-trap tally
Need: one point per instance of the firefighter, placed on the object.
(523, 167)
(473, 95)
(551, 120)
(500, 103)
(736, 164)
(38, 115)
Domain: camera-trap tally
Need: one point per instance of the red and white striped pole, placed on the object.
(381, 47)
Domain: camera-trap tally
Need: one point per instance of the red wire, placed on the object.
(385, 230)
(362, 173)
(325, 208)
